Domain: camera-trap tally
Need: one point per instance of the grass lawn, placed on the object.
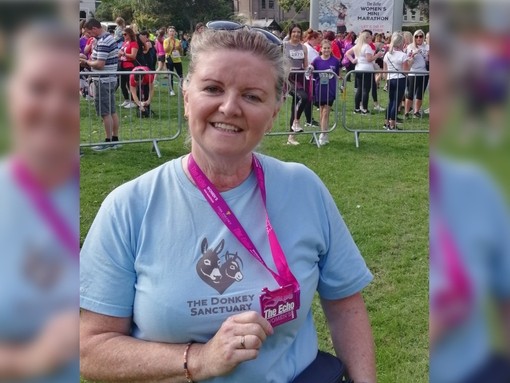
(381, 190)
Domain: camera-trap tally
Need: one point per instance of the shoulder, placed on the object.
(135, 195)
(288, 173)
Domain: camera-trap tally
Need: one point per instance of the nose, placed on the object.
(230, 104)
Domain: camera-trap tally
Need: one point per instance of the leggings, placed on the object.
(124, 83)
(416, 86)
(171, 66)
(363, 85)
(396, 90)
(374, 89)
(299, 102)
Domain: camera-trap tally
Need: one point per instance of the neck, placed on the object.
(224, 174)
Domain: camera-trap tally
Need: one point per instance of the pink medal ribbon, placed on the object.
(278, 306)
(41, 201)
(454, 302)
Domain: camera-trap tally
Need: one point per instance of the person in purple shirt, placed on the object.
(325, 86)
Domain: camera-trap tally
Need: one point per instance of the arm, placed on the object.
(96, 64)
(54, 346)
(132, 55)
(305, 62)
(108, 353)
(350, 56)
(166, 46)
(352, 336)
(132, 90)
(372, 57)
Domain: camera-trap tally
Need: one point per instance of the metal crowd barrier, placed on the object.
(373, 122)
(310, 118)
(163, 124)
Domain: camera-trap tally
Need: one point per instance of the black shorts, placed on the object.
(162, 58)
(318, 103)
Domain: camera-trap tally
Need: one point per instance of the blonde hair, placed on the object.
(362, 39)
(241, 40)
(408, 37)
(397, 41)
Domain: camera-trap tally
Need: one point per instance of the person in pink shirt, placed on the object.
(160, 51)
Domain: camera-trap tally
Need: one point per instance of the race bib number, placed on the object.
(176, 54)
(297, 54)
(279, 306)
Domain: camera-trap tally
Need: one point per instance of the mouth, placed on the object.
(226, 128)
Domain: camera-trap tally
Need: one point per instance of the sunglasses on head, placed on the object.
(226, 25)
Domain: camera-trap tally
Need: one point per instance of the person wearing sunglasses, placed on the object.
(205, 269)
(417, 83)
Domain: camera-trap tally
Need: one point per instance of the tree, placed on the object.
(153, 14)
(298, 5)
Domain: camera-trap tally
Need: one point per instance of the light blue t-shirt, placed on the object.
(479, 223)
(159, 253)
(38, 276)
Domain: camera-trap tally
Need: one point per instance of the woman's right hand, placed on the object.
(239, 339)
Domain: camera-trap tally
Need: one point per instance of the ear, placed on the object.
(276, 110)
(185, 98)
(205, 245)
(219, 248)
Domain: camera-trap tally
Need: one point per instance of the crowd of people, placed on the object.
(224, 295)
(309, 53)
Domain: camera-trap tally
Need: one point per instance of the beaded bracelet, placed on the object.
(185, 365)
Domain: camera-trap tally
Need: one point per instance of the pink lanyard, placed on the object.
(221, 208)
(41, 201)
(459, 281)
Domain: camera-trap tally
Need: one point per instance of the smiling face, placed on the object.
(230, 101)
(295, 35)
(44, 108)
(326, 49)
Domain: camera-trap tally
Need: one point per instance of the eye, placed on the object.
(207, 262)
(212, 89)
(253, 98)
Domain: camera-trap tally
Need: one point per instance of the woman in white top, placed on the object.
(363, 56)
(312, 40)
(417, 83)
(395, 60)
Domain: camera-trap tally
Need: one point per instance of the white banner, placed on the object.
(356, 15)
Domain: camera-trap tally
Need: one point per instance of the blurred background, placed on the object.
(39, 191)
(469, 191)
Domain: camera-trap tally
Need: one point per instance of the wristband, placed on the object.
(185, 364)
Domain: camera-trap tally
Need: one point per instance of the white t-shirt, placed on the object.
(394, 62)
(363, 64)
(312, 53)
(144, 258)
(420, 60)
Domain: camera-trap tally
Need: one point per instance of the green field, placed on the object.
(381, 189)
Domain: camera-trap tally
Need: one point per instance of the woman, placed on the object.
(39, 223)
(312, 40)
(160, 52)
(173, 51)
(153, 299)
(395, 60)
(348, 43)
(297, 53)
(363, 56)
(127, 61)
(325, 86)
(417, 80)
(117, 34)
